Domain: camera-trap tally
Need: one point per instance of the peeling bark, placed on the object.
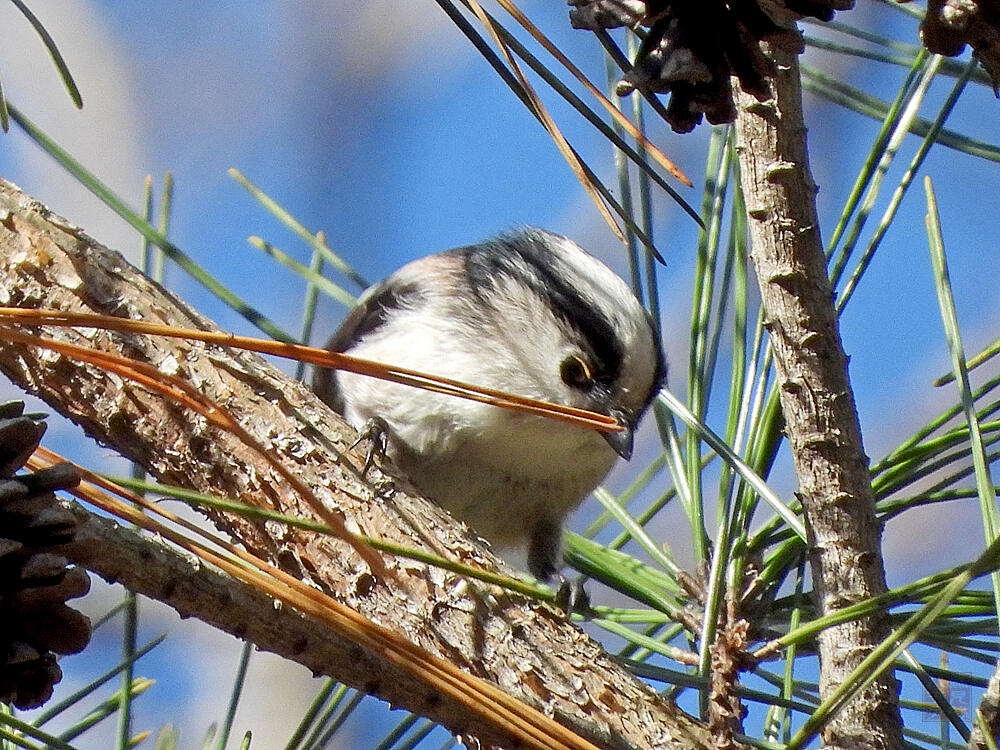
(725, 709)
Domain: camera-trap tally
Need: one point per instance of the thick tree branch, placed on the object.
(153, 568)
(820, 416)
(527, 649)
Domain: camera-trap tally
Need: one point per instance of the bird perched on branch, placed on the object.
(528, 313)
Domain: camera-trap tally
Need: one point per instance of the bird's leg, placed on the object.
(545, 549)
(544, 560)
(376, 432)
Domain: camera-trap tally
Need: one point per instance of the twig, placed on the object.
(816, 398)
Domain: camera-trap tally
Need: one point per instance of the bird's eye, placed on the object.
(575, 372)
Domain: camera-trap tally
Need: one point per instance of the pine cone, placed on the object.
(692, 49)
(951, 24)
(35, 583)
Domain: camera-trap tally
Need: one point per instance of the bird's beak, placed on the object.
(621, 441)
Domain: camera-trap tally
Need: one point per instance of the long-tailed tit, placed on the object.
(529, 313)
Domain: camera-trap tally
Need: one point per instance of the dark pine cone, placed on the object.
(692, 48)
(35, 582)
(951, 24)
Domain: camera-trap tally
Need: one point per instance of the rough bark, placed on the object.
(153, 568)
(816, 398)
(527, 649)
(987, 715)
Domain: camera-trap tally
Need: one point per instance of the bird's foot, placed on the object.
(572, 597)
(376, 432)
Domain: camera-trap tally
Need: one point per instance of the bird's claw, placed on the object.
(572, 597)
(376, 432)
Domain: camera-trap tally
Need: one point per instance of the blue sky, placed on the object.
(377, 123)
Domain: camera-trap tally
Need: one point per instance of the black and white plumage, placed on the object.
(529, 313)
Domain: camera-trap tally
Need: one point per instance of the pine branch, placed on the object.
(153, 568)
(528, 649)
(818, 404)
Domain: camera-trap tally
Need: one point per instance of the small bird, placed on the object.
(529, 313)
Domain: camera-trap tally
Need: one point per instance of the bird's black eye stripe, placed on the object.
(526, 257)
